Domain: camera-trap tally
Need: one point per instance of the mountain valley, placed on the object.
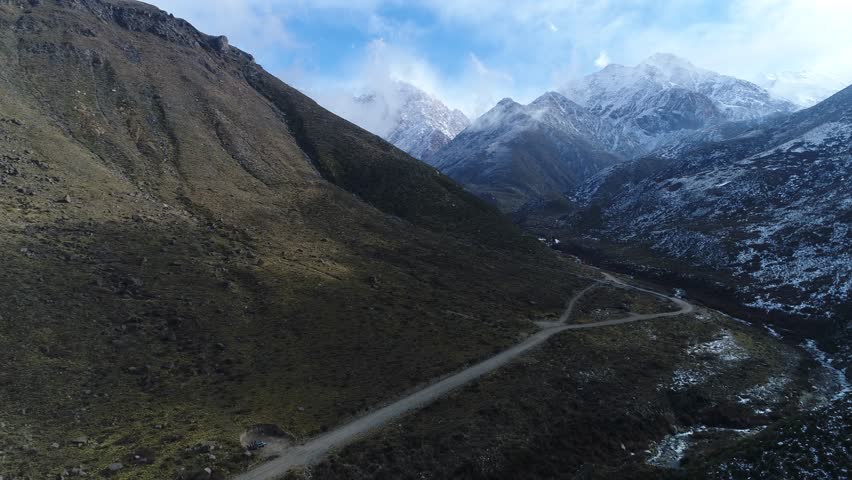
(207, 275)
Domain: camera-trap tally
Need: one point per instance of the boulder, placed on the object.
(220, 43)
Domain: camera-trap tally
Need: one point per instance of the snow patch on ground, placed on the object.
(827, 135)
(771, 208)
(772, 332)
(669, 452)
(708, 360)
(833, 380)
(769, 392)
(725, 347)
(686, 377)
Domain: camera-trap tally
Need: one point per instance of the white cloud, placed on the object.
(253, 25)
(603, 60)
(376, 73)
(483, 71)
(519, 48)
(476, 89)
(761, 36)
(745, 38)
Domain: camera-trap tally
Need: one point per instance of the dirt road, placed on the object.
(314, 449)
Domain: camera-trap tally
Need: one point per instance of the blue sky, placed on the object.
(472, 53)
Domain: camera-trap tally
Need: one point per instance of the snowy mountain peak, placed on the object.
(551, 109)
(507, 102)
(559, 112)
(408, 117)
(676, 71)
(507, 110)
(669, 62)
(665, 97)
(514, 153)
(554, 99)
(765, 202)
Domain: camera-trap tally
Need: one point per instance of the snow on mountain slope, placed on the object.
(665, 97)
(772, 207)
(411, 119)
(512, 154)
(805, 89)
(515, 153)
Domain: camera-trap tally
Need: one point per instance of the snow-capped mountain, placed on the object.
(805, 89)
(769, 209)
(515, 153)
(665, 97)
(411, 119)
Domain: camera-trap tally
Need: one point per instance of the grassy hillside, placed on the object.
(191, 247)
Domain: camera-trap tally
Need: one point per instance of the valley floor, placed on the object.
(671, 397)
(305, 454)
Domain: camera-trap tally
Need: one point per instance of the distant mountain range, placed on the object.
(765, 207)
(675, 165)
(640, 108)
(682, 167)
(665, 96)
(515, 154)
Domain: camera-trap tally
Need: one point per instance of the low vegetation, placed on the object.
(590, 404)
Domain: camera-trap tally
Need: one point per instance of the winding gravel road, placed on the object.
(314, 449)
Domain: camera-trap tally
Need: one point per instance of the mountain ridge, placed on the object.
(515, 154)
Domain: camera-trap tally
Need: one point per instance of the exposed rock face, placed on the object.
(220, 43)
(21, 3)
(136, 17)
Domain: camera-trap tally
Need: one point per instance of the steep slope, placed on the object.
(767, 211)
(416, 122)
(190, 247)
(515, 153)
(665, 97)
